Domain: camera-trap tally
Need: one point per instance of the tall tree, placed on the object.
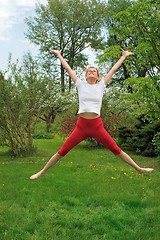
(113, 44)
(137, 28)
(68, 25)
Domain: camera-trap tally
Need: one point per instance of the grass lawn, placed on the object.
(89, 194)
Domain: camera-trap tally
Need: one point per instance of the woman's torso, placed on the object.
(89, 115)
(90, 98)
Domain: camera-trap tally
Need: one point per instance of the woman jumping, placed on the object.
(89, 123)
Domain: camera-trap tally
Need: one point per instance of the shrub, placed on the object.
(142, 138)
(156, 143)
(67, 120)
(42, 134)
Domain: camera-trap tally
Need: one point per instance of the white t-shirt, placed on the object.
(90, 96)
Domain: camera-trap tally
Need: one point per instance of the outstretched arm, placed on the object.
(125, 54)
(65, 64)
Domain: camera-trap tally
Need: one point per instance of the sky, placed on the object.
(13, 27)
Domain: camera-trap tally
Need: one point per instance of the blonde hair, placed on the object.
(86, 70)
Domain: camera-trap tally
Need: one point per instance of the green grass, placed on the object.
(89, 194)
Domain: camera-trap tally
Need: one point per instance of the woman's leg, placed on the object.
(103, 137)
(76, 137)
(49, 164)
(125, 157)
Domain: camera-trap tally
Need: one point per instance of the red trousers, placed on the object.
(89, 128)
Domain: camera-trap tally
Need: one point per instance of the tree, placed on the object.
(145, 98)
(20, 99)
(27, 94)
(113, 44)
(137, 28)
(68, 25)
(143, 114)
(54, 103)
(11, 126)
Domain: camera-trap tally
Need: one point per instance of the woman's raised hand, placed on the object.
(126, 53)
(57, 52)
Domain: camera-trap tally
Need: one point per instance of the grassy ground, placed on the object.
(90, 194)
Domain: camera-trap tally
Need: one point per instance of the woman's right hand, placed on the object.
(56, 52)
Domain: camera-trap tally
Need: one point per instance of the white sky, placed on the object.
(12, 29)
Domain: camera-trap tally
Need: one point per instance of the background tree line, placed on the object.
(40, 88)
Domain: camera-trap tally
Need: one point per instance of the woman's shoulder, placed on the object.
(79, 82)
(102, 83)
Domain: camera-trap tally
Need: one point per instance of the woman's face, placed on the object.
(92, 73)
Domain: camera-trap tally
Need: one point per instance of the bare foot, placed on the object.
(37, 175)
(143, 170)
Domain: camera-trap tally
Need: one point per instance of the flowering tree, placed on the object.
(27, 94)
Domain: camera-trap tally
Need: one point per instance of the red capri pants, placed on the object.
(89, 128)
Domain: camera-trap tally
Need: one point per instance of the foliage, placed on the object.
(68, 25)
(144, 102)
(137, 28)
(29, 92)
(54, 103)
(42, 134)
(111, 114)
(133, 25)
(156, 143)
(143, 138)
(142, 94)
(21, 96)
(112, 50)
(68, 121)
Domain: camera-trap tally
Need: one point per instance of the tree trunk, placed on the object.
(62, 79)
(30, 139)
(49, 121)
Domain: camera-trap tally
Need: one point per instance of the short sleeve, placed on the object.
(102, 84)
(78, 82)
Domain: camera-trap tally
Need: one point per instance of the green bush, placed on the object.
(2, 141)
(42, 134)
(143, 138)
(156, 143)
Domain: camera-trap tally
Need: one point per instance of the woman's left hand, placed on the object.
(126, 53)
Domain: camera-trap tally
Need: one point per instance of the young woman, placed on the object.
(89, 123)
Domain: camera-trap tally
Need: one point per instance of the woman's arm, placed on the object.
(65, 64)
(125, 54)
